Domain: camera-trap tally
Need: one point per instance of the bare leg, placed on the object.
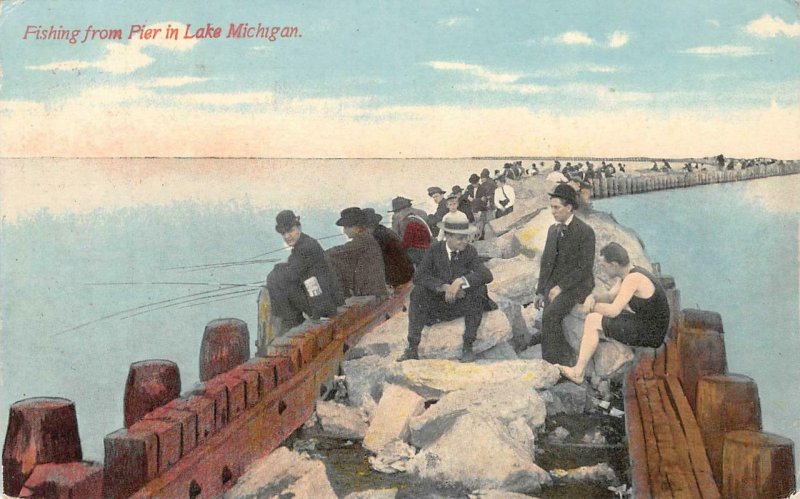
(589, 341)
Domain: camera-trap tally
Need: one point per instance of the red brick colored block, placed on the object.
(252, 392)
(203, 409)
(218, 393)
(307, 345)
(283, 367)
(67, 480)
(187, 421)
(131, 460)
(168, 434)
(290, 353)
(267, 377)
(236, 393)
(325, 336)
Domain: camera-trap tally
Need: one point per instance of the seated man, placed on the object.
(450, 283)
(504, 197)
(395, 260)
(646, 326)
(359, 262)
(412, 227)
(305, 283)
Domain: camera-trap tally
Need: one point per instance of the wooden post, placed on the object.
(226, 344)
(757, 465)
(40, 430)
(674, 300)
(701, 352)
(603, 186)
(703, 319)
(151, 384)
(267, 326)
(725, 403)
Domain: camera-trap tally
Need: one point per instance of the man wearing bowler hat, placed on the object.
(449, 283)
(438, 196)
(358, 262)
(305, 283)
(412, 226)
(565, 275)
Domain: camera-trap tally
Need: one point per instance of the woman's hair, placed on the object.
(614, 252)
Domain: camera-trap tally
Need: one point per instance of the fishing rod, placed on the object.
(172, 283)
(243, 294)
(169, 305)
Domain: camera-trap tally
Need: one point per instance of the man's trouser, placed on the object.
(428, 308)
(555, 348)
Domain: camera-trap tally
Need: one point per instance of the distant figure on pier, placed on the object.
(565, 275)
(655, 167)
(437, 195)
(305, 283)
(399, 268)
(358, 262)
(609, 170)
(621, 167)
(533, 169)
(646, 326)
(412, 227)
(584, 191)
(483, 205)
(504, 197)
(450, 283)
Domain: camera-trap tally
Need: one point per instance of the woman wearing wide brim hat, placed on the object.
(304, 284)
(359, 262)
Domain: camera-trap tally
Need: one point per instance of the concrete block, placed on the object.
(390, 421)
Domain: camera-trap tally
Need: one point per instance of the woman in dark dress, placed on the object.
(639, 290)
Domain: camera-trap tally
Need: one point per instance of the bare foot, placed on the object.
(571, 374)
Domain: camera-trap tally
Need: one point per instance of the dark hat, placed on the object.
(457, 189)
(474, 178)
(566, 193)
(435, 190)
(507, 165)
(400, 203)
(352, 216)
(485, 173)
(453, 195)
(285, 220)
(372, 217)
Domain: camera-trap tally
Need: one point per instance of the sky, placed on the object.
(401, 79)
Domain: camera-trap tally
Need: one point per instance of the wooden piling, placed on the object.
(701, 352)
(226, 344)
(40, 430)
(725, 403)
(603, 187)
(151, 384)
(757, 465)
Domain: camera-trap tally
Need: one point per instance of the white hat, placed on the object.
(456, 223)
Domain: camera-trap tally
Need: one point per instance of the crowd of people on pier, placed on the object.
(434, 251)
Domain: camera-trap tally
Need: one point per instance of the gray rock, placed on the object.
(283, 473)
(499, 247)
(445, 339)
(515, 279)
(524, 210)
(386, 340)
(553, 404)
(390, 421)
(534, 352)
(598, 473)
(501, 351)
(433, 378)
(373, 494)
(532, 237)
(575, 399)
(501, 463)
(505, 402)
(497, 494)
(392, 458)
(341, 421)
(594, 437)
(364, 377)
(558, 435)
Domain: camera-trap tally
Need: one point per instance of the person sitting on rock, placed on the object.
(450, 283)
(358, 262)
(437, 195)
(645, 326)
(504, 197)
(305, 283)
(412, 227)
(399, 268)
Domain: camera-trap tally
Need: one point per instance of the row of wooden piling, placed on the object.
(194, 444)
(745, 461)
(655, 181)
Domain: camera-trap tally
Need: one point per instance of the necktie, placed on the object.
(562, 228)
(454, 256)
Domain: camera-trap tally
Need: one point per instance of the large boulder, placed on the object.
(433, 378)
(364, 377)
(390, 421)
(387, 340)
(478, 453)
(506, 402)
(515, 279)
(610, 356)
(499, 247)
(524, 210)
(341, 421)
(445, 339)
(501, 351)
(532, 237)
(284, 473)
(571, 398)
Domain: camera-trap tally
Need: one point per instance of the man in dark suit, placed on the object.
(449, 283)
(305, 283)
(565, 276)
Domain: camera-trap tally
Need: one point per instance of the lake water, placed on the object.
(98, 242)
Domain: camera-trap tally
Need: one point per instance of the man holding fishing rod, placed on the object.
(305, 283)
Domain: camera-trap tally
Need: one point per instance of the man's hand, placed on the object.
(589, 303)
(451, 293)
(553, 294)
(538, 301)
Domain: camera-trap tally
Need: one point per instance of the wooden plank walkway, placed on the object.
(667, 455)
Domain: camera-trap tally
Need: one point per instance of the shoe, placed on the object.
(535, 339)
(467, 355)
(409, 354)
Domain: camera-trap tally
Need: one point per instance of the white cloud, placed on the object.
(723, 50)
(174, 81)
(713, 22)
(452, 22)
(226, 98)
(516, 88)
(123, 58)
(767, 26)
(618, 39)
(575, 38)
(475, 70)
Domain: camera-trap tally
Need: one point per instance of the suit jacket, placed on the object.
(359, 265)
(436, 269)
(308, 260)
(568, 261)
